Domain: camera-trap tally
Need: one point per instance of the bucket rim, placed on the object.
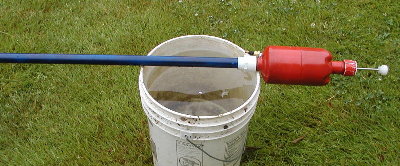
(253, 95)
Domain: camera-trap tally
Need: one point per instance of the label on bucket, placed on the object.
(234, 148)
(187, 154)
(153, 150)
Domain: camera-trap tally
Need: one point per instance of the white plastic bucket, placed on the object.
(179, 139)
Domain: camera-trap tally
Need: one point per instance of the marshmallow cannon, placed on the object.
(276, 64)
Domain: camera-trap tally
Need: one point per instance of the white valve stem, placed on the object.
(383, 70)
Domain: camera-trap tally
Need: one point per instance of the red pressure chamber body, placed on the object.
(301, 65)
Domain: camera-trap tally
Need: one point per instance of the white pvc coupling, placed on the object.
(247, 63)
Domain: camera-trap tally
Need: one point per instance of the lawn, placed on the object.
(91, 115)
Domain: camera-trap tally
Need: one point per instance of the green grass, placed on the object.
(91, 115)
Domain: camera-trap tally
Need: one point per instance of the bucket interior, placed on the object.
(199, 91)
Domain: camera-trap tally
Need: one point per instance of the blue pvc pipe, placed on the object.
(183, 61)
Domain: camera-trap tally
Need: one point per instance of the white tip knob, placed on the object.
(383, 70)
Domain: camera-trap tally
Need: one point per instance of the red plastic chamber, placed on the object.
(301, 65)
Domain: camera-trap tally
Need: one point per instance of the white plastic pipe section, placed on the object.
(247, 63)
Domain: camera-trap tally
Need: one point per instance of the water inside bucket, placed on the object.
(201, 91)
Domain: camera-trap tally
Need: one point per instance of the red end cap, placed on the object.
(350, 68)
